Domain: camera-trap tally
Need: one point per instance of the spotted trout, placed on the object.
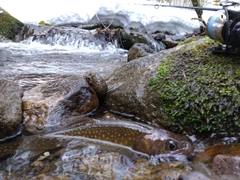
(138, 136)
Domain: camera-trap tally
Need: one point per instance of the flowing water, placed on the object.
(31, 63)
(34, 63)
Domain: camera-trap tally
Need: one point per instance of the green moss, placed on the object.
(199, 89)
(188, 40)
(9, 26)
(44, 23)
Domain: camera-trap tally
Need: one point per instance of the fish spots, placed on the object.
(116, 134)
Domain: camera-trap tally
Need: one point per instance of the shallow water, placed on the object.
(31, 64)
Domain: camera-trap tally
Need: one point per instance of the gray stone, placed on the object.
(130, 37)
(10, 107)
(97, 83)
(130, 93)
(55, 102)
(139, 50)
(224, 164)
(193, 176)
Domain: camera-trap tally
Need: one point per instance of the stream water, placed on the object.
(32, 63)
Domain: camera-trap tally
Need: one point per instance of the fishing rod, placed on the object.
(182, 7)
(223, 26)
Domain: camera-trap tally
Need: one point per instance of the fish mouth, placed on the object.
(187, 148)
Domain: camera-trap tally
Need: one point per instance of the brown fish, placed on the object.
(143, 138)
(140, 137)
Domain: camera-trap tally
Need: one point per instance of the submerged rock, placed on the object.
(209, 154)
(10, 107)
(9, 26)
(50, 103)
(219, 161)
(193, 175)
(223, 164)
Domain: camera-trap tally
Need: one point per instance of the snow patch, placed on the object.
(126, 14)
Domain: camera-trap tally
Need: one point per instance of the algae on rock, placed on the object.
(199, 89)
(9, 26)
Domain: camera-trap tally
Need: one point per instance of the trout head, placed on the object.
(163, 142)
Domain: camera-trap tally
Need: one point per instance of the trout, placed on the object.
(140, 137)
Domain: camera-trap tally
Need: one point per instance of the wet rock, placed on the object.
(170, 170)
(29, 30)
(202, 168)
(182, 88)
(97, 83)
(130, 93)
(74, 37)
(193, 175)
(139, 50)
(130, 37)
(10, 107)
(170, 43)
(47, 177)
(9, 26)
(223, 164)
(209, 154)
(119, 166)
(159, 36)
(172, 40)
(51, 103)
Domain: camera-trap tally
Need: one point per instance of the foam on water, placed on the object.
(29, 48)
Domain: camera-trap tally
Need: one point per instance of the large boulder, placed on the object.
(10, 107)
(199, 90)
(190, 88)
(53, 103)
(130, 93)
(9, 26)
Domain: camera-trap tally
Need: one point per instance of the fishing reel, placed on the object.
(224, 26)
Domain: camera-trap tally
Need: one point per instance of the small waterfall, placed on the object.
(75, 38)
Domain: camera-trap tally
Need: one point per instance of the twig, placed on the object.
(105, 27)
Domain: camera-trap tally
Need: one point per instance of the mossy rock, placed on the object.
(9, 26)
(188, 40)
(44, 23)
(200, 90)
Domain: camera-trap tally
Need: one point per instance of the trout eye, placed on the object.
(172, 145)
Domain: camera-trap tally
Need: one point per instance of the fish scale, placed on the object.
(120, 135)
